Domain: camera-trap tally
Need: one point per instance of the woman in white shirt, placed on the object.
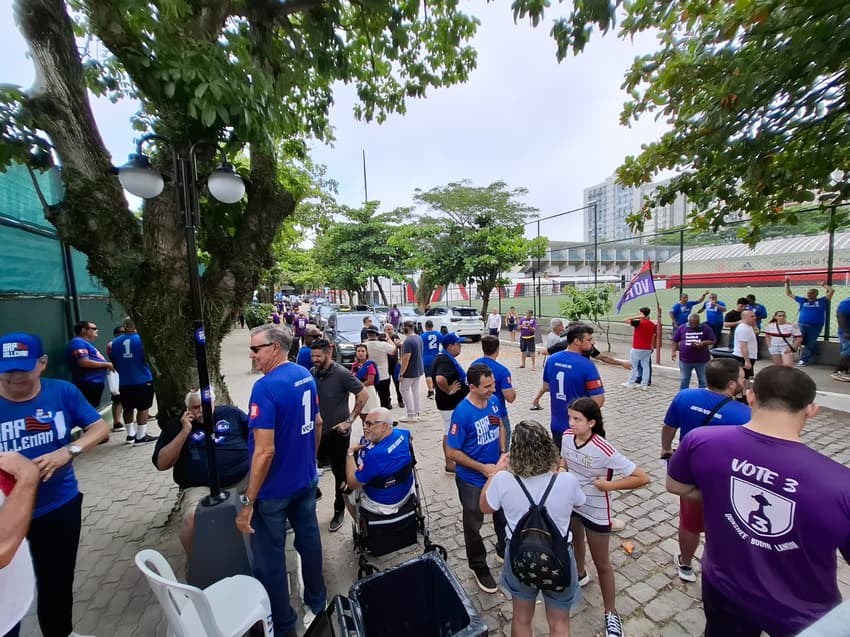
(534, 460)
(783, 339)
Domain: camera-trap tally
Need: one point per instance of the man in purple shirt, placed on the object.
(527, 331)
(692, 342)
(775, 513)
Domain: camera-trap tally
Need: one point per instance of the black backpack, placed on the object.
(540, 555)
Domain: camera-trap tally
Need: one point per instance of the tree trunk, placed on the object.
(381, 290)
(144, 266)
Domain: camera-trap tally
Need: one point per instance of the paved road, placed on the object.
(128, 503)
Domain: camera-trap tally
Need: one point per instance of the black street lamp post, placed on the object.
(140, 179)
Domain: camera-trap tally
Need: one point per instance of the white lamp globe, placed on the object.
(138, 178)
(225, 185)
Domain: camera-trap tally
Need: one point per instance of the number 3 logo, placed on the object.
(790, 485)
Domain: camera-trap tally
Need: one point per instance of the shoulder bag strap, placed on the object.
(717, 408)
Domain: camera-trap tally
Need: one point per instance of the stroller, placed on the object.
(377, 534)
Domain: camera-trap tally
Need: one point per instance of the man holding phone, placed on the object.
(182, 446)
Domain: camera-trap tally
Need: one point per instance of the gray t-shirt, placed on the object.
(334, 385)
(413, 345)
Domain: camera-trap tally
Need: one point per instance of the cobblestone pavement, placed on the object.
(127, 507)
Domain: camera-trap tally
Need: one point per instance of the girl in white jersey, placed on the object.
(594, 462)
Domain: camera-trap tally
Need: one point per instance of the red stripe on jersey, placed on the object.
(603, 445)
(590, 385)
(80, 353)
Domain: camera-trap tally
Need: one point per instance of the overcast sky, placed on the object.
(521, 118)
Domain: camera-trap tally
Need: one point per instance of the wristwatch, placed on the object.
(349, 420)
(74, 450)
(245, 501)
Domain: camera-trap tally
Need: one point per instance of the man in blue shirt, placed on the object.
(88, 366)
(304, 358)
(136, 382)
(692, 408)
(505, 392)
(758, 309)
(680, 311)
(715, 311)
(36, 418)
(475, 441)
(282, 477)
(812, 317)
(570, 374)
(431, 340)
(842, 315)
(382, 465)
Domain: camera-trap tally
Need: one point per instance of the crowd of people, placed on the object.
(774, 512)
(788, 342)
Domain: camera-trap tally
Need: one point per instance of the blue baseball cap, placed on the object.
(19, 352)
(451, 338)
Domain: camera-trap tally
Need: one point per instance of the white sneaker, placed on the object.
(643, 387)
(686, 573)
(629, 385)
(309, 616)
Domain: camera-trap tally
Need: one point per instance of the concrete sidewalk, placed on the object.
(127, 507)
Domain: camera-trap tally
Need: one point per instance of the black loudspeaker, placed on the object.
(219, 549)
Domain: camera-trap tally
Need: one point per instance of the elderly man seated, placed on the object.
(381, 465)
(182, 446)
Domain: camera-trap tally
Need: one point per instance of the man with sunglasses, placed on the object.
(282, 478)
(88, 366)
(380, 464)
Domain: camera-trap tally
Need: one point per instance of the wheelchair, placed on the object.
(377, 534)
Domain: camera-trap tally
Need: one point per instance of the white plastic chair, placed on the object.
(228, 608)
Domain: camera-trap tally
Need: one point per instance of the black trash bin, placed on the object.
(420, 598)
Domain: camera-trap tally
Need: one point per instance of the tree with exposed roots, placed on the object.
(249, 76)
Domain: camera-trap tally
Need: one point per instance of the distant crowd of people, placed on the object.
(788, 342)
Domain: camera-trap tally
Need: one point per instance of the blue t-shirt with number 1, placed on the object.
(285, 400)
(569, 375)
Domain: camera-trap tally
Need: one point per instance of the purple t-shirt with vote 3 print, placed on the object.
(775, 513)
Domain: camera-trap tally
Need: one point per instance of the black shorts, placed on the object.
(92, 392)
(603, 529)
(748, 373)
(526, 344)
(137, 396)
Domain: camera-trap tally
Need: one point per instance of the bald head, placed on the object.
(380, 414)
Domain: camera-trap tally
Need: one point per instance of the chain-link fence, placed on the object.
(684, 262)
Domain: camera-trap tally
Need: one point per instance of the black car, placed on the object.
(343, 330)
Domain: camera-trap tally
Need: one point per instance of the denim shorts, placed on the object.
(565, 600)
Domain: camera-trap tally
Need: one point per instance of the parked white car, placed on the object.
(460, 319)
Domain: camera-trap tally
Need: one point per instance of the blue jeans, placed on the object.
(810, 332)
(267, 546)
(685, 374)
(640, 359)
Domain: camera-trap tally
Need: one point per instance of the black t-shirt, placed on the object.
(333, 386)
(231, 449)
(443, 366)
(731, 317)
